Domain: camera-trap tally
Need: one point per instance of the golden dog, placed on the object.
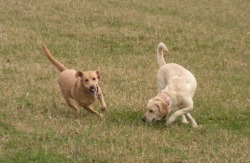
(81, 87)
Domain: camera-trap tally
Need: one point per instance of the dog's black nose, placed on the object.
(91, 87)
(143, 119)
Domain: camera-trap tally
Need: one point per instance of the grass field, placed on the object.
(211, 38)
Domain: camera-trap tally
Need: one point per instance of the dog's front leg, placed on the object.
(183, 119)
(90, 109)
(178, 113)
(101, 99)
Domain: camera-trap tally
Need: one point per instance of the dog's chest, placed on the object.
(84, 99)
(173, 108)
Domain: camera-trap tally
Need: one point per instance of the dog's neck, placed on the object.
(166, 101)
(164, 97)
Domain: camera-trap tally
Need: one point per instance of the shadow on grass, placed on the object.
(62, 110)
(133, 118)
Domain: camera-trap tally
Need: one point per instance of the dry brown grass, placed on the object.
(211, 38)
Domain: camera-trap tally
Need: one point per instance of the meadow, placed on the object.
(211, 38)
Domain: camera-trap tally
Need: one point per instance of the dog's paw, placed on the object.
(77, 112)
(195, 126)
(100, 115)
(184, 122)
(103, 108)
(170, 120)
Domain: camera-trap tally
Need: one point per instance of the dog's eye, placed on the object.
(151, 111)
(86, 80)
(94, 78)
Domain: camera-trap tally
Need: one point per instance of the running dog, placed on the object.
(81, 87)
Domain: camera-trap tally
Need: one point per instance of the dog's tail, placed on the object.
(160, 57)
(60, 66)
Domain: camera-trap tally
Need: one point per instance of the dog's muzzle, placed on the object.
(93, 90)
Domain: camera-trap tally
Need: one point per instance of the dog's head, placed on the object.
(157, 109)
(89, 80)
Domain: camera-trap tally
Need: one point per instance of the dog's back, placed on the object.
(173, 75)
(66, 80)
(177, 77)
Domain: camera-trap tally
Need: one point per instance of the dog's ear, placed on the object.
(163, 108)
(150, 100)
(98, 74)
(78, 74)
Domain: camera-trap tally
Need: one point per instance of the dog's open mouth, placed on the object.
(92, 91)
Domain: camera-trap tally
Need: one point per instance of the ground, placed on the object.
(211, 38)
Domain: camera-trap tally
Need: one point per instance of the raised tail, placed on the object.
(160, 58)
(60, 66)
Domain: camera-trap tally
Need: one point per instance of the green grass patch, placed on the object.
(119, 38)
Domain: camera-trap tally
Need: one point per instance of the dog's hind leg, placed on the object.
(193, 122)
(71, 103)
(161, 84)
